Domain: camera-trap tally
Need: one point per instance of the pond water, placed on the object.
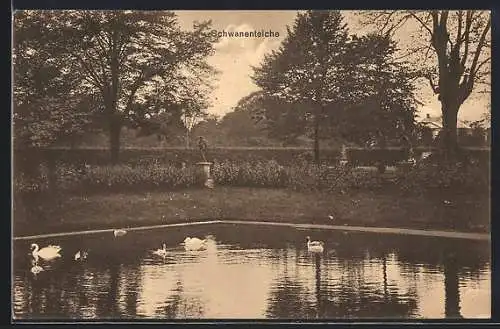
(250, 272)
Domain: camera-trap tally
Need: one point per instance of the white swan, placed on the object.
(162, 252)
(81, 255)
(118, 233)
(46, 253)
(315, 246)
(195, 244)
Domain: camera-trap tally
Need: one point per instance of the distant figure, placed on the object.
(202, 144)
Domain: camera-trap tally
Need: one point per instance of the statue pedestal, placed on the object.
(204, 172)
(343, 156)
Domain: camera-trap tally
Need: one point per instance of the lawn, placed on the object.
(97, 211)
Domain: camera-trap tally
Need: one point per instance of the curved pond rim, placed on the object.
(368, 229)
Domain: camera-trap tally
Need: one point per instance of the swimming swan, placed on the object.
(315, 246)
(46, 253)
(118, 233)
(195, 244)
(161, 252)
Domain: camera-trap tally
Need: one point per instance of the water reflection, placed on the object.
(341, 289)
(451, 283)
(257, 275)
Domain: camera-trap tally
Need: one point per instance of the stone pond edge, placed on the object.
(368, 229)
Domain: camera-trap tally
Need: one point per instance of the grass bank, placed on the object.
(464, 213)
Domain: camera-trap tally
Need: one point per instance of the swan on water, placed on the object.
(118, 233)
(195, 244)
(81, 255)
(315, 246)
(46, 253)
(161, 252)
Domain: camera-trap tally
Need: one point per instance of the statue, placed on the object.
(202, 144)
(205, 165)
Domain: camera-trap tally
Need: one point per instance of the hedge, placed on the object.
(172, 156)
(177, 156)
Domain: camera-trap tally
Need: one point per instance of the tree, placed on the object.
(48, 106)
(384, 105)
(461, 45)
(349, 87)
(164, 124)
(209, 128)
(475, 133)
(193, 111)
(171, 115)
(125, 57)
(424, 135)
(242, 126)
(283, 120)
(310, 70)
(190, 120)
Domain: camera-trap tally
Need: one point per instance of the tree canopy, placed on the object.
(48, 103)
(324, 82)
(385, 102)
(310, 69)
(453, 51)
(137, 64)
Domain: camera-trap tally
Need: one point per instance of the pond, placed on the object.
(254, 272)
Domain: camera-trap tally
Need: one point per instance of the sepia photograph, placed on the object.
(251, 164)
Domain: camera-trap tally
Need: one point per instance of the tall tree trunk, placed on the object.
(449, 79)
(449, 140)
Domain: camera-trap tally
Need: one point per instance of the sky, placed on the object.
(234, 57)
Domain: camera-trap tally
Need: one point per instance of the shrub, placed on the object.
(32, 182)
(124, 177)
(301, 176)
(451, 177)
(252, 174)
(22, 183)
(296, 176)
